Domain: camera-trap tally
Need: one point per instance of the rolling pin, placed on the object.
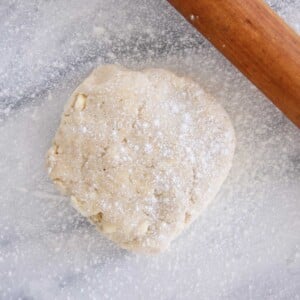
(257, 41)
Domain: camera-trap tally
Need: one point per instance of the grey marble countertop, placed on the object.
(245, 246)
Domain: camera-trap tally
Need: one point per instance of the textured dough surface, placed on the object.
(141, 153)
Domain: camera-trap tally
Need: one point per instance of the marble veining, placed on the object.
(246, 245)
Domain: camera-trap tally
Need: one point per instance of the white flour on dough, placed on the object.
(141, 153)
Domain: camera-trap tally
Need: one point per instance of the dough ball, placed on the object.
(141, 154)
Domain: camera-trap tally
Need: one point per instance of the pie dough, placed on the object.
(141, 154)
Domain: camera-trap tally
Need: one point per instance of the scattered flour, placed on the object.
(246, 245)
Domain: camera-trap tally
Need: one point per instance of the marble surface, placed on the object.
(247, 243)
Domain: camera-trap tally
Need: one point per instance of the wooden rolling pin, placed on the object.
(257, 41)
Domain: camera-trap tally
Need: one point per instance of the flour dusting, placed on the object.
(246, 245)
